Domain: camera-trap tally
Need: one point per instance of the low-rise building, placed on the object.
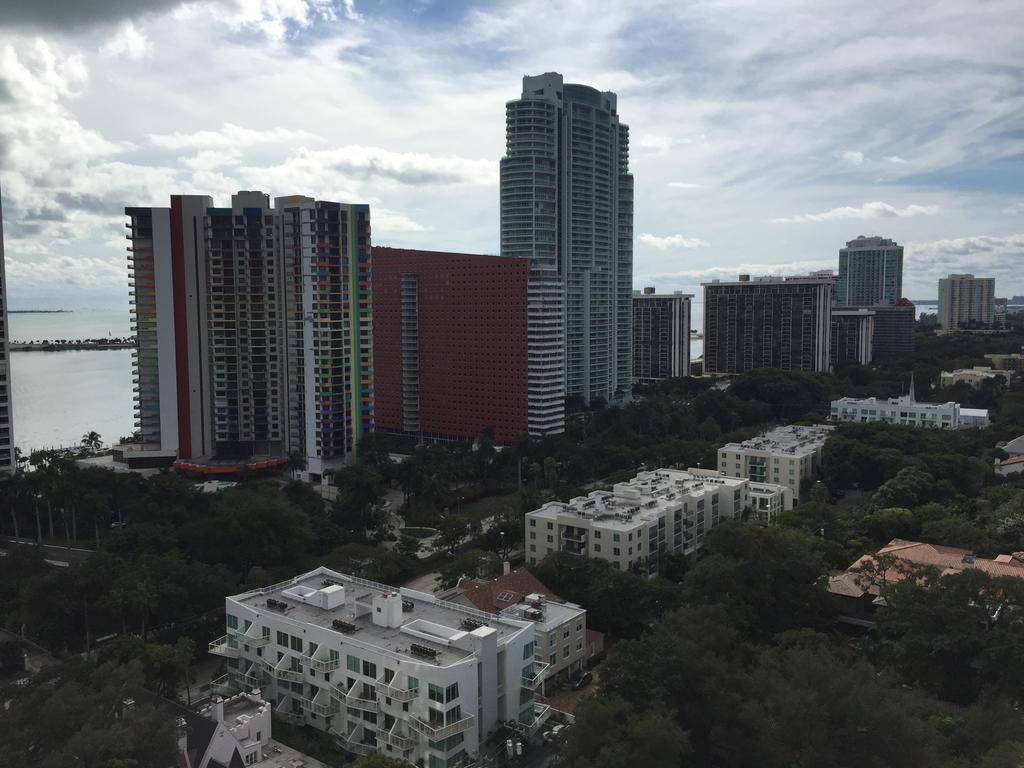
(906, 410)
(664, 511)
(394, 671)
(972, 376)
(785, 455)
(858, 589)
(1012, 361)
(559, 627)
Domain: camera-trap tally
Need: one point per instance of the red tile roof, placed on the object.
(1012, 460)
(499, 593)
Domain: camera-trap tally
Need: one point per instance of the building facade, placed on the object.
(853, 331)
(254, 327)
(384, 670)
(893, 329)
(1010, 361)
(8, 463)
(870, 272)
(666, 511)
(768, 323)
(559, 627)
(567, 206)
(906, 410)
(661, 336)
(787, 456)
(966, 301)
(973, 377)
(451, 344)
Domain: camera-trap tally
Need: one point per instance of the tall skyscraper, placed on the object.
(894, 329)
(450, 344)
(661, 336)
(768, 322)
(7, 458)
(567, 205)
(254, 330)
(853, 331)
(870, 272)
(966, 301)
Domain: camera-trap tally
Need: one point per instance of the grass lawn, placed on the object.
(490, 506)
(419, 533)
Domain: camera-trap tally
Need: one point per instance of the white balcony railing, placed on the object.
(436, 732)
(225, 646)
(537, 678)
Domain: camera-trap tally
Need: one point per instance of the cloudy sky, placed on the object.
(765, 133)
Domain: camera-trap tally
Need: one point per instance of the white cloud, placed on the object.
(230, 136)
(655, 144)
(853, 158)
(875, 210)
(128, 42)
(896, 159)
(672, 241)
(682, 185)
(386, 221)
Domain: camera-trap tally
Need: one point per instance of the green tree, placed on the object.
(92, 441)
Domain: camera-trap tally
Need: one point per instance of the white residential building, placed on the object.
(973, 376)
(389, 670)
(662, 511)
(966, 301)
(785, 455)
(906, 410)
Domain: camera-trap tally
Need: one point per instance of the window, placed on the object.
(414, 684)
(352, 663)
(551, 526)
(528, 651)
(550, 539)
(505, 596)
(533, 523)
(296, 643)
(282, 639)
(451, 693)
(435, 693)
(597, 534)
(232, 621)
(579, 627)
(597, 547)
(565, 635)
(370, 669)
(553, 659)
(615, 537)
(616, 551)
(565, 652)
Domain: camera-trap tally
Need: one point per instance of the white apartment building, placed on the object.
(389, 670)
(661, 511)
(973, 376)
(966, 301)
(906, 410)
(785, 455)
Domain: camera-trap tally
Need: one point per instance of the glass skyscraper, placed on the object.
(870, 272)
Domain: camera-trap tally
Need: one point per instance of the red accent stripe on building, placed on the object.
(180, 328)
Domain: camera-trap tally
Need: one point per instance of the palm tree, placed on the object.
(92, 441)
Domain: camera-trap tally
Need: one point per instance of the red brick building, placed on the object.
(449, 343)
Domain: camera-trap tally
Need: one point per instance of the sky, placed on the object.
(764, 133)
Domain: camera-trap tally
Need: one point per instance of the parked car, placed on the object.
(583, 680)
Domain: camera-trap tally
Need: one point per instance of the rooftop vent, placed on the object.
(470, 624)
(344, 626)
(276, 605)
(422, 651)
(407, 606)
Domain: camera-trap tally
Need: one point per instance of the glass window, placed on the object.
(451, 692)
(352, 663)
(414, 683)
(232, 621)
(282, 639)
(370, 669)
(528, 651)
(435, 693)
(296, 643)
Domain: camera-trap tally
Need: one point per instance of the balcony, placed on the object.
(532, 682)
(325, 665)
(396, 693)
(225, 646)
(223, 686)
(397, 740)
(292, 675)
(541, 713)
(367, 705)
(436, 732)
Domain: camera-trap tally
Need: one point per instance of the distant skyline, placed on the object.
(764, 135)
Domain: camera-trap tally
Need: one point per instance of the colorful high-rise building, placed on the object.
(451, 344)
(254, 332)
(567, 206)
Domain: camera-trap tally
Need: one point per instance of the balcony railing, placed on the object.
(295, 676)
(397, 740)
(436, 732)
(369, 705)
(325, 665)
(223, 686)
(398, 694)
(537, 678)
(541, 712)
(225, 646)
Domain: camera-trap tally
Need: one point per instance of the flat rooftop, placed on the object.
(638, 501)
(792, 440)
(357, 611)
(903, 400)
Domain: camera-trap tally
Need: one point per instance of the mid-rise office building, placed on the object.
(906, 410)
(567, 206)
(254, 331)
(661, 336)
(893, 329)
(870, 272)
(665, 511)
(7, 456)
(786, 455)
(966, 301)
(768, 322)
(1008, 361)
(385, 670)
(451, 344)
(853, 330)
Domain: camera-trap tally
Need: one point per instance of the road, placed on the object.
(61, 556)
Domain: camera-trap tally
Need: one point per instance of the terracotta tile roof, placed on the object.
(503, 591)
(1012, 460)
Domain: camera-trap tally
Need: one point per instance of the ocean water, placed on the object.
(59, 396)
